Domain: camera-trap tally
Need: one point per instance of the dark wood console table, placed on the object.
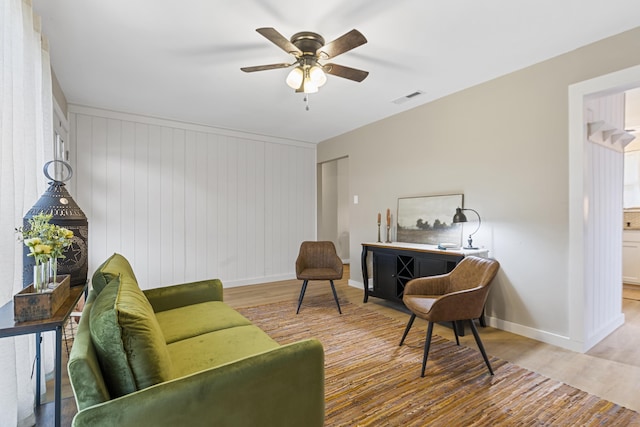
(9, 328)
(394, 264)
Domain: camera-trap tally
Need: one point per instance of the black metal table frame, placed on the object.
(10, 328)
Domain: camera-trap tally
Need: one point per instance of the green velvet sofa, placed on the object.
(179, 356)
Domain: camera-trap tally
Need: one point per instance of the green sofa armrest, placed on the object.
(282, 387)
(170, 297)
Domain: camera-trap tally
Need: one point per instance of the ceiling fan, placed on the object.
(310, 52)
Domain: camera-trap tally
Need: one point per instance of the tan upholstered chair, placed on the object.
(318, 261)
(456, 296)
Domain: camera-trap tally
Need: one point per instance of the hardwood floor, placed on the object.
(610, 370)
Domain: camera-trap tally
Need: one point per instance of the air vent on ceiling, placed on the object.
(409, 97)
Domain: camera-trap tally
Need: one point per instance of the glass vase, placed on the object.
(53, 271)
(47, 272)
(39, 284)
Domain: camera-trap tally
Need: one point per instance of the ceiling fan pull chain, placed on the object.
(306, 99)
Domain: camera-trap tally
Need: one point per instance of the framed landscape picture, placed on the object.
(429, 219)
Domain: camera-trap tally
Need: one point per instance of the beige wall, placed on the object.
(504, 144)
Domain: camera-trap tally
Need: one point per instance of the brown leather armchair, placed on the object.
(318, 261)
(456, 296)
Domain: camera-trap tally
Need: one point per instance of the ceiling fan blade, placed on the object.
(345, 72)
(279, 40)
(265, 67)
(342, 44)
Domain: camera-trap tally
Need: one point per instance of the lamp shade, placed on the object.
(294, 79)
(306, 79)
(57, 201)
(308, 86)
(317, 76)
(459, 216)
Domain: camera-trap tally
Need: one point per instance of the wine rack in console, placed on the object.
(395, 264)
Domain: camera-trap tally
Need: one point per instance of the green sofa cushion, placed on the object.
(217, 348)
(197, 319)
(83, 367)
(128, 340)
(114, 266)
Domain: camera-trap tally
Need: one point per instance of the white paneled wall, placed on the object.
(186, 202)
(603, 232)
(603, 249)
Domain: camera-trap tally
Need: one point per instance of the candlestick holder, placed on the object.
(379, 241)
(388, 234)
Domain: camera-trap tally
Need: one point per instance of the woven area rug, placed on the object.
(370, 381)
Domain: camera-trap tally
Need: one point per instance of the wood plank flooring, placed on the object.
(611, 370)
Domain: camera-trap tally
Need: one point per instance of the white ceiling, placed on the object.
(181, 59)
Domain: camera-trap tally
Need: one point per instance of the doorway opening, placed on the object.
(333, 205)
(592, 317)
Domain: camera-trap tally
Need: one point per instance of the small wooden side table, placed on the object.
(9, 328)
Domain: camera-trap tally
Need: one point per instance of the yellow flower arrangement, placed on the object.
(39, 250)
(45, 241)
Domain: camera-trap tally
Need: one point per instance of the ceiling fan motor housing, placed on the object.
(307, 42)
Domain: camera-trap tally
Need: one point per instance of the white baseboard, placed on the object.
(355, 284)
(565, 342)
(604, 331)
(257, 280)
(526, 331)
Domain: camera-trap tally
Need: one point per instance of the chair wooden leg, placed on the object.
(406, 330)
(335, 296)
(302, 291)
(480, 346)
(427, 344)
(455, 332)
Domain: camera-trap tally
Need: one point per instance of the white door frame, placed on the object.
(578, 195)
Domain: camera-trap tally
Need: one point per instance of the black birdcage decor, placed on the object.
(57, 202)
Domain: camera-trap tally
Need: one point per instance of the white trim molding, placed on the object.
(581, 339)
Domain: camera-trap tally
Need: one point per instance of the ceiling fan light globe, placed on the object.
(317, 76)
(309, 87)
(295, 77)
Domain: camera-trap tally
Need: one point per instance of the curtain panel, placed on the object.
(26, 133)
